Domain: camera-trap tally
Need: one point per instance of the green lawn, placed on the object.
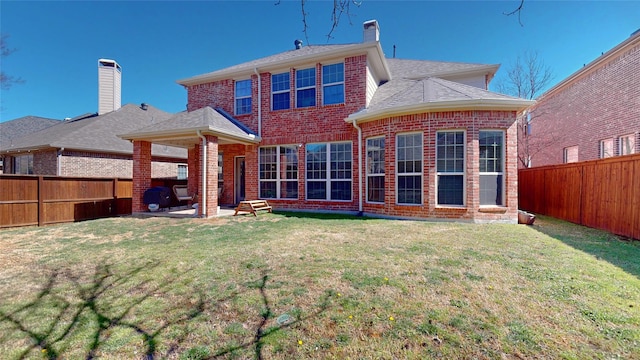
(287, 285)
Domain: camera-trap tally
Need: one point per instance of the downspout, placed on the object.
(59, 158)
(360, 170)
(255, 70)
(203, 196)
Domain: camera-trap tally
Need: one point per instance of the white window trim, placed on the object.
(328, 179)
(463, 173)
(602, 142)
(278, 180)
(620, 144)
(304, 87)
(503, 164)
(333, 83)
(421, 174)
(366, 194)
(281, 91)
(236, 97)
(565, 154)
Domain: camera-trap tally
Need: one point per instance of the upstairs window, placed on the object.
(306, 87)
(627, 144)
(280, 91)
(606, 148)
(243, 97)
(333, 84)
(570, 154)
(491, 167)
(450, 164)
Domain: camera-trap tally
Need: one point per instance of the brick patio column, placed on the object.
(141, 174)
(212, 175)
(193, 172)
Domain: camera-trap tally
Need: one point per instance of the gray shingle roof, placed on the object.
(401, 93)
(416, 69)
(204, 119)
(20, 127)
(98, 133)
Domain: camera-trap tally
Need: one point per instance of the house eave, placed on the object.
(165, 135)
(438, 106)
(248, 70)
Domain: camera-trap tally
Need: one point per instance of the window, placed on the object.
(409, 168)
(279, 172)
(23, 164)
(182, 171)
(606, 148)
(243, 97)
(450, 167)
(306, 87)
(570, 154)
(329, 171)
(491, 167)
(280, 99)
(375, 170)
(627, 144)
(333, 84)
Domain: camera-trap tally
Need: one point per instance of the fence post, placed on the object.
(40, 200)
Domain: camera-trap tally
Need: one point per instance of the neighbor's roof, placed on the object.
(186, 125)
(404, 96)
(96, 133)
(20, 127)
(419, 69)
(307, 54)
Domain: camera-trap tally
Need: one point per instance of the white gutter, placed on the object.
(58, 158)
(360, 170)
(255, 70)
(203, 196)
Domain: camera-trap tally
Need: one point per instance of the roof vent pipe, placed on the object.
(144, 106)
(298, 44)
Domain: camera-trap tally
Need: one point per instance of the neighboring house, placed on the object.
(342, 128)
(20, 127)
(592, 114)
(87, 146)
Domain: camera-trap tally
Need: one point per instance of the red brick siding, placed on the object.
(602, 103)
(45, 162)
(141, 173)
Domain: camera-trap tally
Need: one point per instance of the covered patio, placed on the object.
(205, 133)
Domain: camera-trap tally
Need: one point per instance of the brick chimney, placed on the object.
(109, 86)
(371, 31)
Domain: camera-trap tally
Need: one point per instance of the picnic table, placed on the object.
(252, 206)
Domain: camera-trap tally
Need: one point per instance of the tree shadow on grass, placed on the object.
(112, 300)
(616, 250)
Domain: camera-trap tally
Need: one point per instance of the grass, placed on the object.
(288, 285)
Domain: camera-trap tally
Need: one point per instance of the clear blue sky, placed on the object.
(156, 43)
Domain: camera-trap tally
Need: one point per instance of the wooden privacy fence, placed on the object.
(40, 200)
(603, 194)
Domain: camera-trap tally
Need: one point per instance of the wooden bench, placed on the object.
(253, 206)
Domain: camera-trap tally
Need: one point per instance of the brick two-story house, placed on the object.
(343, 128)
(592, 114)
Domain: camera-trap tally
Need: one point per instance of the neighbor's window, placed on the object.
(329, 171)
(491, 167)
(333, 84)
(306, 87)
(280, 90)
(606, 148)
(243, 97)
(23, 164)
(450, 167)
(409, 168)
(279, 172)
(375, 170)
(570, 154)
(182, 171)
(627, 144)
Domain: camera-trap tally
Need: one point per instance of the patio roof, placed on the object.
(182, 129)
